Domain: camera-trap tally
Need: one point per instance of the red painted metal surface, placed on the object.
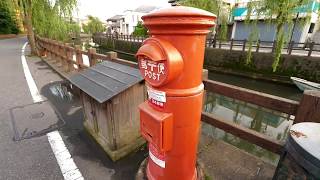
(171, 62)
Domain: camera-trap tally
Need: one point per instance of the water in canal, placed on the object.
(271, 123)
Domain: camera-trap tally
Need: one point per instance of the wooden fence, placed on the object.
(71, 58)
(308, 109)
(305, 49)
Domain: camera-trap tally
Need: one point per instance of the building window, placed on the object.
(311, 28)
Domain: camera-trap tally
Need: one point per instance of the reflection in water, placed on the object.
(61, 91)
(276, 89)
(271, 123)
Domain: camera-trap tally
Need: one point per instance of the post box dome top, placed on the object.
(179, 20)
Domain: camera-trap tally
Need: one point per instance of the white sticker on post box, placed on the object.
(157, 157)
(157, 98)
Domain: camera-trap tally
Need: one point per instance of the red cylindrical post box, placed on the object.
(171, 62)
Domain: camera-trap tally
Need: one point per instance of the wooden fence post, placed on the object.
(62, 55)
(112, 55)
(244, 44)
(54, 50)
(311, 49)
(57, 51)
(258, 45)
(91, 55)
(79, 60)
(309, 107)
(44, 48)
(51, 49)
(69, 55)
(231, 44)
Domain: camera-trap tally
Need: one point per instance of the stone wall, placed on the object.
(121, 45)
(290, 65)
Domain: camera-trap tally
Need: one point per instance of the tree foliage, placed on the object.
(140, 30)
(94, 25)
(53, 19)
(208, 5)
(282, 14)
(8, 23)
(216, 7)
(48, 18)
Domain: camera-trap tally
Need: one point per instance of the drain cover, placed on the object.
(34, 120)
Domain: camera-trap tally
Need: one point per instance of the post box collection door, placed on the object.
(171, 63)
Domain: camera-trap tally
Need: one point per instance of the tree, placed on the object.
(216, 7)
(140, 30)
(94, 25)
(49, 18)
(281, 13)
(7, 20)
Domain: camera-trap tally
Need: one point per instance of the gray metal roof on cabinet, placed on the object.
(106, 79)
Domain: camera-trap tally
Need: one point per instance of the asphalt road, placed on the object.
(32, 157)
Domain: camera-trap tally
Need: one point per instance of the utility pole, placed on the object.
(294, 26)
(295, 23)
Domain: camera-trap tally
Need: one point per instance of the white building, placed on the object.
(125, 23)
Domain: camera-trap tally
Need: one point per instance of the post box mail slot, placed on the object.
(156, 127)
(159, 61)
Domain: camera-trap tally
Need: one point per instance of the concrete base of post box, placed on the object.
(118, 153)
(141, 174)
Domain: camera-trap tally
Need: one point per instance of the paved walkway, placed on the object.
(33, 158)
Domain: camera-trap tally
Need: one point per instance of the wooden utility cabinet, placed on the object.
(111, 110)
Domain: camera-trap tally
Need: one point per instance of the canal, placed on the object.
(269, 122)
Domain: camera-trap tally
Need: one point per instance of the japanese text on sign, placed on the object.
(152, 70)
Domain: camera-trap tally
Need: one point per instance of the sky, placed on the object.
(104, 9)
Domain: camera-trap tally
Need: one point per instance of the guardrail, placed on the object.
(123, 37)
(308, 109)
(306, 49)
(296, 48)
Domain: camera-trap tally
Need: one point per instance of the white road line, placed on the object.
(32, 85)
(67, 166)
